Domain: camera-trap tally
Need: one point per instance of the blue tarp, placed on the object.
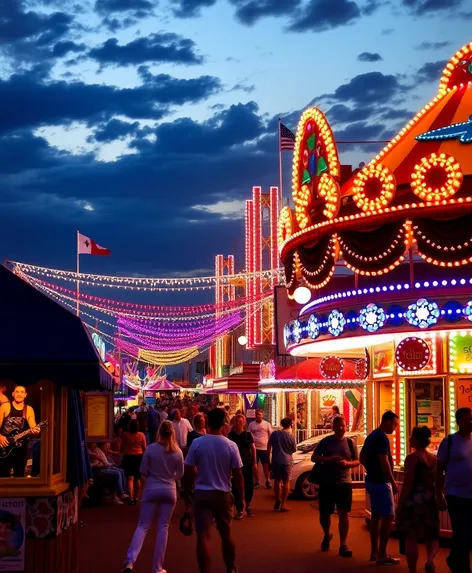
(40, 339)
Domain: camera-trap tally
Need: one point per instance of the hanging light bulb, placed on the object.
(242, 340)
(302, 295)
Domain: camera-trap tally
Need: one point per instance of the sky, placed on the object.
(145, 124)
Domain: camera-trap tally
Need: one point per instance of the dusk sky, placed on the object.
(145, 124)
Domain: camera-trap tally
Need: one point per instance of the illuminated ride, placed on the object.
(402, 225)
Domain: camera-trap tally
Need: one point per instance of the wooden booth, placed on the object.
(47, 359)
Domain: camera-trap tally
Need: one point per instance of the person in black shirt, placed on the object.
(381, 487)
(199, 423)
(247, 451)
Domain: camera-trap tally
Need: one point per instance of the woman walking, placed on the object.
(247, 451)
(162, 465)
(417, 512)
(133, 446)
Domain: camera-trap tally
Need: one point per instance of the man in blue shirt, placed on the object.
(381, 487)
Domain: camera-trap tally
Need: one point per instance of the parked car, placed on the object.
(302, 465)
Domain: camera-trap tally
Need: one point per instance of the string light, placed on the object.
(285, 225)
(329, 190)
(403, 417)
(452, 406)
(374, 188)
(436, 177)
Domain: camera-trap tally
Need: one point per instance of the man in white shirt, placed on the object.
(182, 427)
(261, 431)
(214, 460)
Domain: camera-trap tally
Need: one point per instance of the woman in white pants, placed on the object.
(162, 465)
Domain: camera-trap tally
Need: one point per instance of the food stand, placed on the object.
(46, 350)
(402, 226)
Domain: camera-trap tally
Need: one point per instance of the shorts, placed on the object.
(381, 498)
(262, 456)
(335, 496)
(212, 505)
(281, 472)
(132, 465)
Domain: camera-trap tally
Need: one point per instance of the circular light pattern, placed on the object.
(336, 322)
(301, 206)
(287, 334)
(372, 317)
(313, 327)
(328, 189)
(412, 354)
(284, 225)
(423, 313)
(374, 188)
(468, 311)
(297, 331)
(437, 177)
(331, 367)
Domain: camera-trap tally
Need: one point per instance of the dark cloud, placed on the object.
(422, 7)
(160, 47)
(433, 45)
(250, 11)
(320, 15)
(370, 88)
(372, 6)
(190, 8)
(61, 49)
(115, 129)
(396, 114)
(57, 102)
(431, 72)
(341, 113)
(139, 8)
(369, 57)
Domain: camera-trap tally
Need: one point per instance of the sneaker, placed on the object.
(389, 560)
(239, 515)
(268, 484)
(256, 485)
(344, 551)
(373, 558)
(249, 512)
(326, 542)
(116, 501)
(284, 509)
(277, 505)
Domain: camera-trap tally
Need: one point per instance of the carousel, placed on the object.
(402, 227)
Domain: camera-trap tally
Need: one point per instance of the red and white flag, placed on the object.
(86, 246)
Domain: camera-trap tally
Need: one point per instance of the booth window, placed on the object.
(428, 408)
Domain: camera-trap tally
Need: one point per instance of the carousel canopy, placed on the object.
(164, 385)
(42, 340)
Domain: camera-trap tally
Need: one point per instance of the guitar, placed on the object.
(16, 438)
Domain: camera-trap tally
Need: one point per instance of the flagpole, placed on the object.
(281, 192)
(78, 271)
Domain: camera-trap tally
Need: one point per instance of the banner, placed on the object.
(12, 534)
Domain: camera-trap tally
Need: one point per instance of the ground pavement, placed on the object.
(270, 542)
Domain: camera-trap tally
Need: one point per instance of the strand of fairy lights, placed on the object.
(142, 283)
(151, 309)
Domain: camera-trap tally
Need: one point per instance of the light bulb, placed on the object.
(242, 340)
(302, 295)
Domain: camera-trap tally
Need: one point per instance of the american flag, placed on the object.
(287, 138)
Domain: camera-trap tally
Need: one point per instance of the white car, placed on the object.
(302, 465)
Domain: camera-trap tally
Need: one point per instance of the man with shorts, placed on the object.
(214, 460)
(337, 455)
(381, 487)
(281, 448)
(261, 431)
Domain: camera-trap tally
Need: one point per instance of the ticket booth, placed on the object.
(47, 359)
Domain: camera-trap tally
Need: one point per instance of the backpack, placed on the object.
(317, 474)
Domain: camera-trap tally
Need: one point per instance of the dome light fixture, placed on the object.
(302, 295)
(242, 340)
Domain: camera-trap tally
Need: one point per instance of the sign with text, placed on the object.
(464, 393)
(460, 352)
(412, 354)
(12, 534)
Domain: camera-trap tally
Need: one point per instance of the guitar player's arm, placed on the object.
(32, 420)
(4, 410)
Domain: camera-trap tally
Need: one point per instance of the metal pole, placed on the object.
(281, 192)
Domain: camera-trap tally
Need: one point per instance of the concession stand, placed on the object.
(47, 350)
(402, 227)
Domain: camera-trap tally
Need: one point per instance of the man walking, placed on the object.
(214, 460)
(182, 428)
(381, 487)
(199, 423)
(455, 461)
(261, 431)
(282, 446)
(337, 455)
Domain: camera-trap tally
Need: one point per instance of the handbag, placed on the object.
(186, 525)
(316, 474)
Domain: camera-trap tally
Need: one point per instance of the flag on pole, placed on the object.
(287, 138)
(86, 246)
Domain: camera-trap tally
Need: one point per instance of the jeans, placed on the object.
(119, 479)
(460, 512)
(160, 501)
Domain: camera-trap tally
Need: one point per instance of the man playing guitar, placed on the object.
(14, 416)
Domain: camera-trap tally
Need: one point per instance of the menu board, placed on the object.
(464, 393)
(96, 417)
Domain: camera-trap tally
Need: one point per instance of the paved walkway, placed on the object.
(268, 543)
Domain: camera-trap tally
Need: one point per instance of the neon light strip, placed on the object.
(452, 406)
(394, 404)
(403, 421)
(364, 408)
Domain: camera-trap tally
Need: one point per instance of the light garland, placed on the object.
(285, 225)
(296, 384)
(403, 417)
(451, 68)
(329, 190)
(452, 406)
(374, 188)
(301, 206)
(437, 177)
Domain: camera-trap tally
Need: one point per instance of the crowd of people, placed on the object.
(213, 458)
